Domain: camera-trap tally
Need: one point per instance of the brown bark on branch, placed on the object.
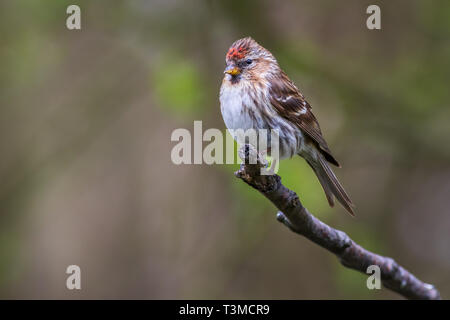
(297, 218)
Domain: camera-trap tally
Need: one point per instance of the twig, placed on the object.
(297, 218)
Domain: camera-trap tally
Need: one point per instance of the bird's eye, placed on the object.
(248, 61)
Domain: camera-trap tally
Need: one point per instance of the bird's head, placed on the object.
(247, 60)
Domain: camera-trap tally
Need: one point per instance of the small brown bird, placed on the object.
(257, 94)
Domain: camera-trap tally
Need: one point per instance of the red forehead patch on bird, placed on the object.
(238, 53)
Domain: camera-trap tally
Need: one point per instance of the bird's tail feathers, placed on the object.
(330, 183)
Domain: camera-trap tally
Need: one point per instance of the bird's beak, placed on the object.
(233, 70)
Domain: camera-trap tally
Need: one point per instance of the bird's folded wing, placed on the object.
(291, 105)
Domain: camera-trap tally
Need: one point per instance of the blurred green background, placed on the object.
(86, 118)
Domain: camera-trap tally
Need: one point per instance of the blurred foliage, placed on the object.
(178, 87)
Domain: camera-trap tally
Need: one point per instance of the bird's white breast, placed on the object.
(239, 111)
(236, 105)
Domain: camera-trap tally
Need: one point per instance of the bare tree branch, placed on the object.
(299, 220)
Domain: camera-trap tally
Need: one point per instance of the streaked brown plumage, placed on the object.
(257, 94)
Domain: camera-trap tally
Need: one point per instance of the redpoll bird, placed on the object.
(257, 94)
